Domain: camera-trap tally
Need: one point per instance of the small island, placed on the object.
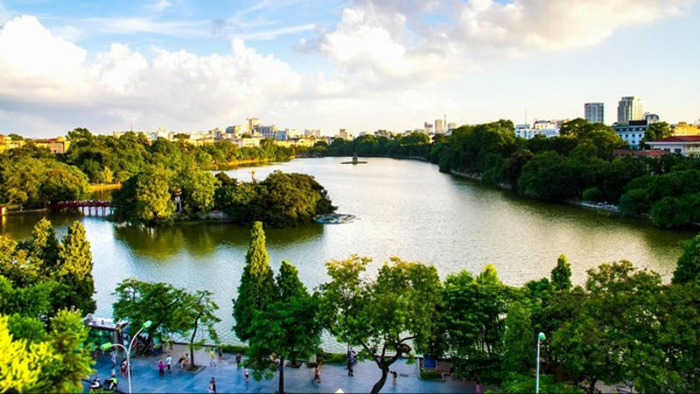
(354, 160)
(159, 196)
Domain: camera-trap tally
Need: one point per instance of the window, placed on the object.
(678, 150)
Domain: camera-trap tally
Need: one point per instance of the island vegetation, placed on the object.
(623, 325)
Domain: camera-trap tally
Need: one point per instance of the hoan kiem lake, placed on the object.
(404, 208)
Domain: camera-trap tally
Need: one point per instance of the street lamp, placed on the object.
(109, 345)
(540, 337)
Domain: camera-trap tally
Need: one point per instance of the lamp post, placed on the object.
(540, 337)
(109, 345)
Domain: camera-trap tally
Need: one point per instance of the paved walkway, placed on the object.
(229, 379)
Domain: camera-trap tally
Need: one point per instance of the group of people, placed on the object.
(163, 365)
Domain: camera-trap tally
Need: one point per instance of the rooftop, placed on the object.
(680, 138)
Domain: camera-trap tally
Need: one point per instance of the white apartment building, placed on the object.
(688, 145)
(632, 132)
(545, 128)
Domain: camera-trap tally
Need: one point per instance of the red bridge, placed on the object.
(87, 207)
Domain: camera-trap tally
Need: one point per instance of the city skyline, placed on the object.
(360, 65)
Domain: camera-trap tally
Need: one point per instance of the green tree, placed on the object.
(198, 189)
(145, 198)
(688, 268)
(193, 310)
(561, 274)
(657, 131)
(138, 302)
(257, 289)
(518, 341)
(474, 321)
(382, 315)
(74, 270)
(44, 248)
(288, 329)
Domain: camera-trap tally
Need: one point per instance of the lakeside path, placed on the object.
(229, 379)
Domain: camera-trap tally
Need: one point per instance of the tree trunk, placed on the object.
(380, 383)
(280, 389)
(194, 333)
(591, 387)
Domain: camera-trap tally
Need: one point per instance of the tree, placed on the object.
(75, 270)
(474, 321)
(657, 131)
(55, 364)
(198, 189)
(561, 274)
(196, 309)
(688, 269)
(145, 198)
(257, 289)
(43, 248)
(138, 302)
(288, 329)
(385, 314)
(518, 341)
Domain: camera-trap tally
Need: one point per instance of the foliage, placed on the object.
(198, 188)
(561, 274)
(287, 330)
(657, 131)
(257, 289)
(381, 315)
(74, 270)
(193, 310)
(515, 383)
(145, 197)
(55, 364)
(519, 341)
(688, 269)
(474, 317)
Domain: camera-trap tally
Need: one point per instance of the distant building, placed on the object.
(251, 124)
(343, 134)
(57, 146)
(651, 118)
(234, 130)
(451, 126)
(629, 109)
(545, 128)
(439, 126)
(594, 112)
(312, 133)
(683, 128)
(267, 131)
(632, 132)
(427, 128)
(684, 145)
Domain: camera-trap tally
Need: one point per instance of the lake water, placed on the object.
(403, 208)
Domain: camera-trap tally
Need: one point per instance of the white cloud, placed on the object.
(158, 6)
(380, 39)
(133, 25)
(173, 88)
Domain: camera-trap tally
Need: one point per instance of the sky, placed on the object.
(361, 65)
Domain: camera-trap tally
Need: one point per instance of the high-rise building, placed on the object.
(439, 126)
(594, 112)
(343, 134)
(630, 108)
(251, 124)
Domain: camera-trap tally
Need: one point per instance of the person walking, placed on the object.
(351, 372)
(394, 375)
(169, 363)
(161, 367)
(122, 368)
(239, 357)
(317, 375)
(221, 355)
(212, 386)
(113, 357)
(246, 375)
(212, 359)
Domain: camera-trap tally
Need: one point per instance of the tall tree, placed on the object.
(43, 248)
(688, 269)
(518, 341)
(288, 329)
(195, 310)
(75, 270)
(561, 274)
(257, 289)
(383, 315)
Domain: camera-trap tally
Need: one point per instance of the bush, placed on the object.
(234, 349)
(333, 358)
(593, 194)
(430, 375)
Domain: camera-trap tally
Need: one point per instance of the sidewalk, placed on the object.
(229, 379)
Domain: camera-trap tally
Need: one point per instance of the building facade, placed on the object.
(594, 112)
(544, 128)
(682, 145)
(632, 132)
(629, 109)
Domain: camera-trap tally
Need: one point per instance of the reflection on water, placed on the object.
(404, 208)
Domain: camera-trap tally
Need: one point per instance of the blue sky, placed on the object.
(359, 64)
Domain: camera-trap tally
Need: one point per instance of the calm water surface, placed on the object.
(404, 208)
